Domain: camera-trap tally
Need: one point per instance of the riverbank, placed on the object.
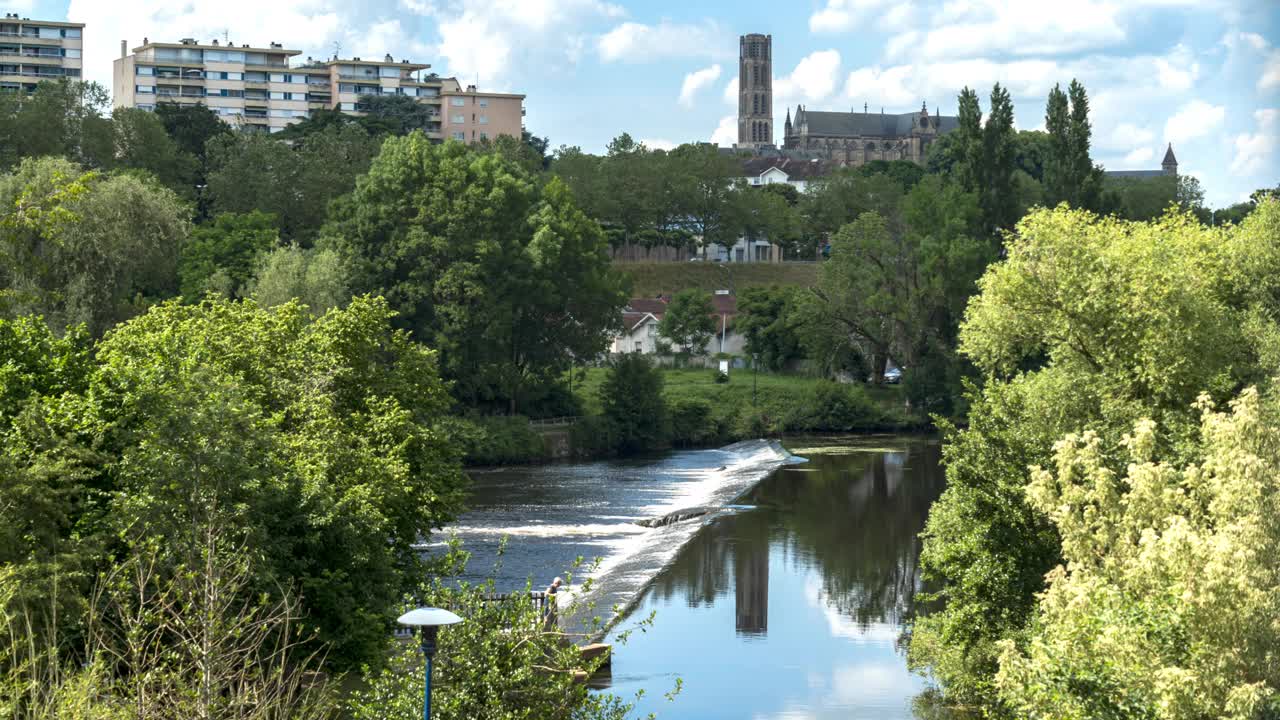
(705, 413)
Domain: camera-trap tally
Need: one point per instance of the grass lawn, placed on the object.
(775, 390)
(650, 279)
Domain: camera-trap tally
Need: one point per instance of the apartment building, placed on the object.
(35, 50)
(267, 89)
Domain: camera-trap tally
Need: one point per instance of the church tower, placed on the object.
(1170, 163)
(755, 90)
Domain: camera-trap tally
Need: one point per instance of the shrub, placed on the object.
(503, 440)
(722, 377)
(632, 403)
(692, 423)
(834, 407)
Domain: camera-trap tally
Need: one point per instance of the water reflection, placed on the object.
(823, 571)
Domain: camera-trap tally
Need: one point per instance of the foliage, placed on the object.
(81, 247)
(62, 118)
(191, 127)
(689, 321)
(506, 277)
(833, 407)
(1069, 174)
(172, 632)
(898, 279)
(768, 321)
(399, 114)
(632, 406)
(228, 248)
(1166, 604)
(140, 142)
(316, 442)
(255, 171)
(505, 661)
(985, 157)
(692, 422)
(503, 440)
(1090, 324)
(317, 278)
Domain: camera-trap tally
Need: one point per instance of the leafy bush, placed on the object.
(632, 403)
(721, 377)
(503, 440)
(834, 407)
(692, 422)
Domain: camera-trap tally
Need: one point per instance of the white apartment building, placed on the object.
(35, 50)
(262, 88)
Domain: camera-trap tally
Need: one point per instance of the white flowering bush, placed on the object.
(1168, 601)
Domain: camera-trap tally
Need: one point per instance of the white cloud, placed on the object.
(844, 15)
(1177, 71)
(726, 133)
(814, 78)
(731, 92)
(659, 144)
(490, 42)
(974, 28)
(1255, 151)
(1139, 158)
(1193, 120)
(696, 81)
(1270, 72)
(1126, 136)
(637, 42)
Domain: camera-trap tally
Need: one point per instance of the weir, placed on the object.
(633, 515)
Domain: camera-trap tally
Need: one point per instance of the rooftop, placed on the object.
(858, 124)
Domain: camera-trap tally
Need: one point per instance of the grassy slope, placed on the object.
(649, 279)
(774, 390)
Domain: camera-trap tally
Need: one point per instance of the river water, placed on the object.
(784, 600)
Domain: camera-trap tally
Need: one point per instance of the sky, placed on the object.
(1203, 75)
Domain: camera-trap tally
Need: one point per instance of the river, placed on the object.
(787, 601)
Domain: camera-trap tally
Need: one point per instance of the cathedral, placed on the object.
(854, 138)
(850, 138)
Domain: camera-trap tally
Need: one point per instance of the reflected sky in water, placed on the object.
(792, 606)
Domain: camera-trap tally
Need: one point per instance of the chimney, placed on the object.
(388, 58)
(124, 48)
(215, 42)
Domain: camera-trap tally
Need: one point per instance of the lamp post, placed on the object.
(755, 372)
(428, 620)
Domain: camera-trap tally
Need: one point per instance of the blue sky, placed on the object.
(1202, 74)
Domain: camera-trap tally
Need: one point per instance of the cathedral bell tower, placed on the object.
(755, 90)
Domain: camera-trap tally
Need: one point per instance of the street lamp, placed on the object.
(429, 621)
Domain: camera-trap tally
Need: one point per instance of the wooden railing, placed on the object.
(564, 420)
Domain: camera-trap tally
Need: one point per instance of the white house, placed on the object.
(641, 316)
(759, 171)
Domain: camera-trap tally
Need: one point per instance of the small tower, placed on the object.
(786, 126)
(1170, 163)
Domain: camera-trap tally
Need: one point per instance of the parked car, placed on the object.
(893, 376)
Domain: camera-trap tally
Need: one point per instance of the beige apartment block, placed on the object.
(35, 50)
(267, 89)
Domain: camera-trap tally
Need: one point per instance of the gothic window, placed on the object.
(755, 75)
(871, 146)
(755, 104)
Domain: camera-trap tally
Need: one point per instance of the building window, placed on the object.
(144, 70)
(484, 119)
(484, 102)
(458, 119)
(145, 89)
(457, 102)
(639, 346)
(347, 106)
(460, 135)
(484, 136)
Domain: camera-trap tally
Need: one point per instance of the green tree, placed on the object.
(191, 127)
(689, 321)
(254, 171)
(507, 277)
(317, 278)
(1070, 175)
(398, 114)
(768, 320)
(1165, 607)
(632, 406)
(984, 156)
(62, 117)
(142, 143)
(81, 247)
(224, 254)
(1089, 324)
(318, 443)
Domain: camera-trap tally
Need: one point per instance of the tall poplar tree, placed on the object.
(1070, 175)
